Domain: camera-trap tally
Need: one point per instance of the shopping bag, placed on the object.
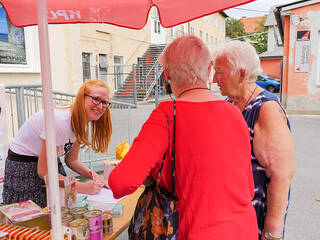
(156, 215)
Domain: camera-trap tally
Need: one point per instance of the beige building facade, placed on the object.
(90, 51)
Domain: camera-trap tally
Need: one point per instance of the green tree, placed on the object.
(259, 39)
(235, 29)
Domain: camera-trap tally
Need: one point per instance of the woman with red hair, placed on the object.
(26, 164)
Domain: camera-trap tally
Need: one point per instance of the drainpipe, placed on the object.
(286, 37)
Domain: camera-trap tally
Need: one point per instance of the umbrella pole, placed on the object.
(54, 207)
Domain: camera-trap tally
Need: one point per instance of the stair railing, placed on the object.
(157, 68)
(158, 72)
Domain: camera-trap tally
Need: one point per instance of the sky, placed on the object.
(255, 9)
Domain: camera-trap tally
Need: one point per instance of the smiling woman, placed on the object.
(26, 163)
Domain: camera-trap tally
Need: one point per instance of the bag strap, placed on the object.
(173, 152)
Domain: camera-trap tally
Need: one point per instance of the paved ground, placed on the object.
(303, 217)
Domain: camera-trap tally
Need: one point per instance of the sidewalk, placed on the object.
(303, 218)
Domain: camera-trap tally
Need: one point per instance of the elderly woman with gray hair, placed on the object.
(213, 180)
(236, 68)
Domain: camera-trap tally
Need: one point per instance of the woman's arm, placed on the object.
(79, 167)
(42, 161)
(73, 162)
(273, 147)
(144, 156)
(91, 187)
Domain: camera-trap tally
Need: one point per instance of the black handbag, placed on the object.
(156, 215)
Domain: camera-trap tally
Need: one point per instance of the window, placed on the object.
(182, 30)
(103, 67)
(172, 32)
(207, 39)
(192, 30)
(156, 26)
(86, 60)
(259, 78)
(277, 36)
(211, 43)
(200, 34)
(118, 72)
(223, 23)
(156, 22)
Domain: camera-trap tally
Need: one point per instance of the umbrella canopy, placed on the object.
(124, 13)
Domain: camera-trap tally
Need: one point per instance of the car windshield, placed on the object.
(269, 77)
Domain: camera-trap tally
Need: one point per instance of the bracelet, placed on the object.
(268, 235)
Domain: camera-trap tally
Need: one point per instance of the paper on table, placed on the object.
(105, 196)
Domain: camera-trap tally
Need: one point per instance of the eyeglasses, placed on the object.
(97, 101)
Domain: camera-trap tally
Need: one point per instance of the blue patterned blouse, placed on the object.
(251, 114)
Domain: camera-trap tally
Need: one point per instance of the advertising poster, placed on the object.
(12, 42)
(302, 54)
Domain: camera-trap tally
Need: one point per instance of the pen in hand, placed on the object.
(97, 180)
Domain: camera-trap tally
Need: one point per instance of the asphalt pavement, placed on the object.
(303, 214)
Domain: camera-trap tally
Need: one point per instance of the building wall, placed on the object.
(250, 23)
(272, 41)
(212, 26)
(301, 92)
(68, 42)
(271, 67)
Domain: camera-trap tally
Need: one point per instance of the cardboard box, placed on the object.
(67, 192)
(25, 213)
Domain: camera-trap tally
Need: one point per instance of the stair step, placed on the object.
(144, 65)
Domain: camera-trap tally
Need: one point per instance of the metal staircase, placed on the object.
(148, 71)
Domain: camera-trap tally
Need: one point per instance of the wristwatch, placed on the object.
(268, 235)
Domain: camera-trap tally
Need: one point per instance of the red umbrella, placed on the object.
(125, 13)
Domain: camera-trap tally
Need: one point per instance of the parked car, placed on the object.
(270, 83)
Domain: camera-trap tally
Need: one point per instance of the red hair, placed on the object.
(101, 129)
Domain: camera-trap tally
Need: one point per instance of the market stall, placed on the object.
(117, 12)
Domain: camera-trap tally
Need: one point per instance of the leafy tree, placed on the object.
(260, 38)
(235, 29)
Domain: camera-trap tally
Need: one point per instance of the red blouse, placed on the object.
(214, 182)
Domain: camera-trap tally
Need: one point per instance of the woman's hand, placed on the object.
(94, 187)
(99, 180)
(90, 187)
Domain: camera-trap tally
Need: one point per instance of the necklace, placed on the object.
(190, 89)
(250, 96)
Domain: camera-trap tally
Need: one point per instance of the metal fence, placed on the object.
(23, 100)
